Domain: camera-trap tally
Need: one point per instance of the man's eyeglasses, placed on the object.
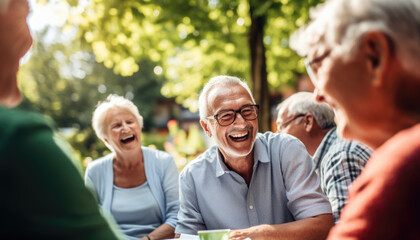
(313, 66)
(285, 124)
(227, 117)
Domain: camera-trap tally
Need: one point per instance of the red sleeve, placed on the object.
(384, 200)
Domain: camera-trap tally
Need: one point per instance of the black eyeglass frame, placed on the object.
(216, 116)
(285, 124)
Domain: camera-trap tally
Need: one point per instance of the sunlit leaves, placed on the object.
(101, 51)
(64, 82)
(283, 64)
(126, 67)
(191, 41)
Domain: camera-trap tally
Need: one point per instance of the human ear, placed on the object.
(205, 127)
(377, 49)
(309, 122)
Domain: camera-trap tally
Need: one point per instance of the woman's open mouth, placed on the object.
(128, 139)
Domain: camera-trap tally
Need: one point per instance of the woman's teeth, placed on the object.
(127, 139)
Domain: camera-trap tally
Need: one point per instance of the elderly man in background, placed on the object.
(364, 58)
(337, 162)
(262, 185)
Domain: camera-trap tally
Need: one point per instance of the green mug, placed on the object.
(218, 234)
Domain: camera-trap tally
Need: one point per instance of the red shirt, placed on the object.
(384, 202)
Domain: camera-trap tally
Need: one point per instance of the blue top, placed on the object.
(284, 187)
(338, 163)
(161, 174)
(136, 211)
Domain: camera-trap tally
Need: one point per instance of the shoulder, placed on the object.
(157, 158)
(348, 149)
(24, 130)
(278, 142)
(156, 154)
(270, 138)
(20, 121)
(99, 165)
(405, 139)
(203, 164)
(403, 149)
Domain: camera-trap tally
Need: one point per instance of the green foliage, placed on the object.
(192, 40)
(65, 83)
(283, 64)
(183, 147)
(154, 140)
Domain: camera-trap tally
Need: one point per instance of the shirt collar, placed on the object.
(259, 156)
(221, 167)
(324, 146)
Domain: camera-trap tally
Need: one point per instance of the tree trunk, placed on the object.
(259, 69)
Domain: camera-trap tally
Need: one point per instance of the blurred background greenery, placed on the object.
(159, 54)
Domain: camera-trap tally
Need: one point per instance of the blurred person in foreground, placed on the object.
(43, 195)
(338, 162)
(263, 186)
(137, 185)
(363, 57)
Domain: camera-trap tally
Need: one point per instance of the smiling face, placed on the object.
(15, 40)
(235, 140)
(123, 132)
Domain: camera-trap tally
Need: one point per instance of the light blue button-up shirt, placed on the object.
(283, 188)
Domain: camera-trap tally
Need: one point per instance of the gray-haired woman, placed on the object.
(137, 185)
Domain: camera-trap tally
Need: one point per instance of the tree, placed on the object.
(65, 82)
(192, 41)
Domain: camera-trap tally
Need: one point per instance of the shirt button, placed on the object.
(251, 207)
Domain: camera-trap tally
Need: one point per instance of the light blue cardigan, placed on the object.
(161, 174)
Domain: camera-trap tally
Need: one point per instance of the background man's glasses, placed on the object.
(227, 117)
(285, 124)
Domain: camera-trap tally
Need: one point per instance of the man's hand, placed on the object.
(312, 228)
(254, 233)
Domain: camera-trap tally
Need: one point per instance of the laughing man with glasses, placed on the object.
(262, 186)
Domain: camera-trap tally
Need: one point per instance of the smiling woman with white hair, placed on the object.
(137, 185)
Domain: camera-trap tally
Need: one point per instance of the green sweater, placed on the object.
(43, 195)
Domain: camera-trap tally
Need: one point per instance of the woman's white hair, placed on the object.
(225, 81)
(303, 103)
(4, 5)
(340, 24)
(113, 101)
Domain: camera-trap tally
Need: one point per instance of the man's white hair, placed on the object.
(303, 103)
(113, 101)
(340, 24)
(225, 81)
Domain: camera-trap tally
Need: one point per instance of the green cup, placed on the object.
(219, 234)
